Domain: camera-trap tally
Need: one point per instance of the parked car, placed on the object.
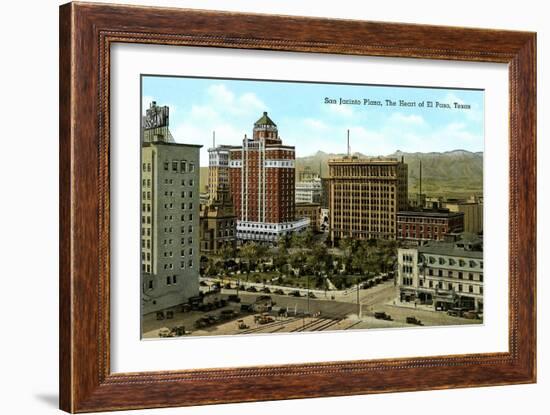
(295, 293)
(234, 298)
(381, 315)
(177, 331)
(165, 332)
(263, 298)
(252, 289)
(456, 312)
(470, 315)
(247, 308)
(311, 295)
(241, 325)
(414, 320)
(279, 291)
(266, 290)
(228, 314)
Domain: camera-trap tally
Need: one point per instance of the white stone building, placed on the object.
(443, 274)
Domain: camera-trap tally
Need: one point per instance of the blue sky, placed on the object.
(230, 107)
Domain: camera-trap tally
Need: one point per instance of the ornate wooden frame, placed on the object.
(86, 33)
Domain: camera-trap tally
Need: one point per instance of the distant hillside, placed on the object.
(456, 173)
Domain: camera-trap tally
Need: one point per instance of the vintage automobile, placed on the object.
(455, 312)
(177, 331)
(233, 298)
(165, 332)
(414, 320)
(381, 315)
(242, 325)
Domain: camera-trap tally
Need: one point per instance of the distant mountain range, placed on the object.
(457, 173)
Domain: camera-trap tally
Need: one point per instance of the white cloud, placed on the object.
(222, 98)
(220, 94)
(315, 124)
(340, 110)
(250, 101)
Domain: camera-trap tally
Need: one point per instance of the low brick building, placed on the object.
(428, 225)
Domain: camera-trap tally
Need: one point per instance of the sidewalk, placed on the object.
(410, 305)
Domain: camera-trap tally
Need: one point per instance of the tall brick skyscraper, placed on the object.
(262, 177)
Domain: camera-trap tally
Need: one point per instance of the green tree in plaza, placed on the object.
(280, 259)
(249, 253)
(297, 262)
(226, 252)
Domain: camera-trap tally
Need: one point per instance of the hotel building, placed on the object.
(262, 181)
(365, 196)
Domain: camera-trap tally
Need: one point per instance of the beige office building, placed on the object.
(218, 170)
(473, 214)
(365, 196)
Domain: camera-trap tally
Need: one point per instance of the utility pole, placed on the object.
(308, 295)
(358, 303)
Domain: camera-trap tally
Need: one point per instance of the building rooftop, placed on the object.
(430, 213)
(265, 120)
(370, 160)
(469, 246)
(163, 143)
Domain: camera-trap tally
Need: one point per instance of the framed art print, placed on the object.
(251, 202)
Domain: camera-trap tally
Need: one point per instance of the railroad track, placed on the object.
(326, 325)
(353, 325)
(311, 324)
(268, 325)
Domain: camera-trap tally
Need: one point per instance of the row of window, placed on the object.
(421, 228)
(452, 261)
(183, 205)
(421, 220)
(449, 286)
(170, 193)
(170, 229)
(170, 280)
(451, 274)
(171, 241)
(171, 217)
(179, 166)
(170, 254)
(184, 182)
(181, 266)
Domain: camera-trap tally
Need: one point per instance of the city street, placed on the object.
(326, 314)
